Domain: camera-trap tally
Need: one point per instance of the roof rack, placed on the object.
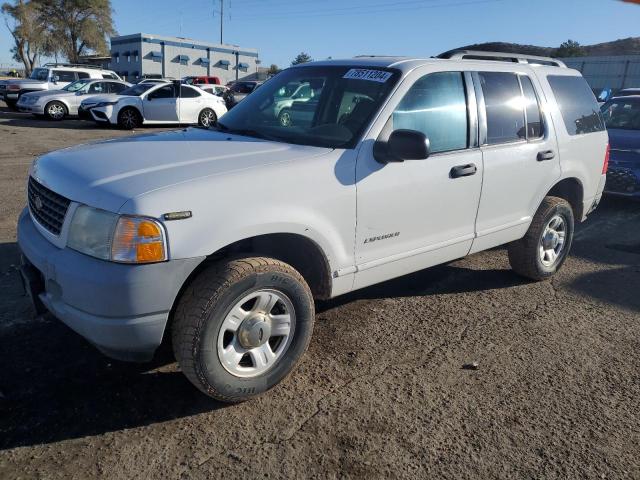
(501, 57)
(80, 65)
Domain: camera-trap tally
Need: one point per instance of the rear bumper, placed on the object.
(121, 309)
(623, 180)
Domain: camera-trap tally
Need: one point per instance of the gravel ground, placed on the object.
(381, 393)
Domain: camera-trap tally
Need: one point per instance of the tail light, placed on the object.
(605, 166)
(13, 88)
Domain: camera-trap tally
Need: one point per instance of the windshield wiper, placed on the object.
(246, 132)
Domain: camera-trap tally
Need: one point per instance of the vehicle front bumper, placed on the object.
(121, 309)
(102, 114)
(30, 108)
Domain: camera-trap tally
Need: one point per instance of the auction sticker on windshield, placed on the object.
(371, 75)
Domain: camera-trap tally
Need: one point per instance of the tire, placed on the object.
(205, 319)
(207, 118)
(55, 111)
(129, 119)
(284, 118)
(12, 105)
(537, 256)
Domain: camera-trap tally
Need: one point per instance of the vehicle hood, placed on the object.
(108, 97)
(27, 82)
(106, 174)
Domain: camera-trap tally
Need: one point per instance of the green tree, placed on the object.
(30, 37)
(569, 48)
(273, 69)
(78, 26)
(302, 58)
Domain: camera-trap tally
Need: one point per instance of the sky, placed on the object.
(280, 29)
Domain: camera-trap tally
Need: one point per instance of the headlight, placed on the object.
(105, 104)
(117, 238)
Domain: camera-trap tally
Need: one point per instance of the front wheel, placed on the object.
(55, 110)
(242, 326)
(129, 118)
(544, 248)
(207, 118)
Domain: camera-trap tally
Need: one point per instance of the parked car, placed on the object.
(238, 91)
(202, 80)
(154, 80)
(57, 104)
(162, 103)
(622, 117)
(51, 76)
(213, 89)
(220, 239)
(287, 95)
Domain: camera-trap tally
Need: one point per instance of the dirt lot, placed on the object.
(381, 392)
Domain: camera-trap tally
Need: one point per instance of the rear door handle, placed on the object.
(546, 155)
(463, 170)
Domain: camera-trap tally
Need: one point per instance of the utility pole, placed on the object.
(221, 18)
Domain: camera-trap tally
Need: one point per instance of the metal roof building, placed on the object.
(615, 72)
(140, 54)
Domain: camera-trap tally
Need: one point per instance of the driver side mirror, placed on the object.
(55, 79)
(403, 145)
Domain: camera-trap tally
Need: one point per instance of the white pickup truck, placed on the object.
(219, 239)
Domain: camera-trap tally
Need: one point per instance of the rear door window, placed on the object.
(436, 105)
(188, 92)
(503, 102)
(116, 87)
(535, 127)
(65, 75)
(83, 75)
(577, 104)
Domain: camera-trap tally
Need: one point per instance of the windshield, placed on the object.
(41, 74)
(137, 90)
(77, 85)
(621, 113)
(338, 104)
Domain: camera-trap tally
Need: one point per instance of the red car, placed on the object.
(201, 80)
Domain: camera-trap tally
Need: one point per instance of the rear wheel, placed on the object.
(129, 118)
(207, 118)
(544, 248)
(55, 110)
(242, 326)
(11, 104)
(285, 118)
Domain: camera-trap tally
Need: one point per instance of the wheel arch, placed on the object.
(55, 100)
(299, 251)
(571, 190)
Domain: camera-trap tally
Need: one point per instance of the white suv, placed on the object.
(220, 240)
(51, 76)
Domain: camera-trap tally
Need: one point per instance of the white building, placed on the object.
(143, 55)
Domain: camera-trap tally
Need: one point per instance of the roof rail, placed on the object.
(81, 65)
(501, 57)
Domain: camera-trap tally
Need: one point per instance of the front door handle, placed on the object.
(546, 155)
(463, 170)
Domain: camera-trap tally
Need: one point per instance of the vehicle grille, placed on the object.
(47, 207)
(622, 180)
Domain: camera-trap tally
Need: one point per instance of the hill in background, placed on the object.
(626, 46)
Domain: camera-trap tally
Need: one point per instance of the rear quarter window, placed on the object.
(577, 104)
